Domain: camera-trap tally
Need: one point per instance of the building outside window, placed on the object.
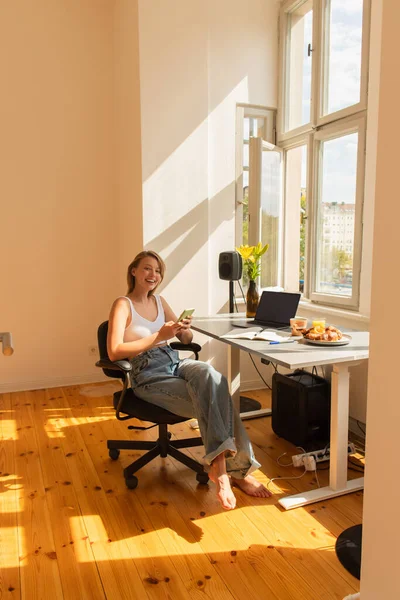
(321, 129)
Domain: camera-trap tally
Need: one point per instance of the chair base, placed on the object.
(162, 447)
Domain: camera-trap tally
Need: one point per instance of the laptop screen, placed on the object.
(277, 307)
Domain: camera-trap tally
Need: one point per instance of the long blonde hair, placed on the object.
(135, 263)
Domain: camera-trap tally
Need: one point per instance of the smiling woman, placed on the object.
(140, 327)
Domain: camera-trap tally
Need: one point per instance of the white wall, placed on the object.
(381, 523)
(197, 60)
(56, 186)
(174, 92)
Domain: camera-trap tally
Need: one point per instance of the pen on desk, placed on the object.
(285, 342)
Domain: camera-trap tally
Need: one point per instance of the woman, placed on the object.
(140, 326)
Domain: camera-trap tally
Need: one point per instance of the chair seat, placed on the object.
(145, 411)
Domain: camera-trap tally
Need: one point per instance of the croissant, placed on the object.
(329, 334)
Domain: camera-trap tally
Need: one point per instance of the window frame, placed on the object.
(332, 131)
(304, 139)
(321, 119)
(257, 147)
(352, 118)
(317, 72)
(283, 134)
(248, 111)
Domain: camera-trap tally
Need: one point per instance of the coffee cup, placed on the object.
(298, 323)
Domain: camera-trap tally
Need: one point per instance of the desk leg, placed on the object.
(234, 374)
(338, 484)
(339, 426)
(234, 385)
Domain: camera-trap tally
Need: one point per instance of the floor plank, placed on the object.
(71, 529)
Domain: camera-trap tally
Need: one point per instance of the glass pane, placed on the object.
(336, 216)
(245, 198)
(246, 129)
(296, 218)
(298, 93)
(253, 130)
(270, 218)
(343, 40)
(245, 155)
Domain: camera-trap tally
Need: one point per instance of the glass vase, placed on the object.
(252, 298)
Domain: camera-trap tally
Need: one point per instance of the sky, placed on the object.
(345, 31)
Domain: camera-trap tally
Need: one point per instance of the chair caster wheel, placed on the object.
(169, 435)
(131, 482)
(202, 478)
(114, 453)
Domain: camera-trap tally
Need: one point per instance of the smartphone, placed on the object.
(185, 314)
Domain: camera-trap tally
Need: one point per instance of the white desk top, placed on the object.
(294, 355)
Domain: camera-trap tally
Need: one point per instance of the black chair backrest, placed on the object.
(102, 343)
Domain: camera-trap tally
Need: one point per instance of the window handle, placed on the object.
(309, 50)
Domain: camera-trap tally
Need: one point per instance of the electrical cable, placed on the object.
(358, 470)
(284, 465)
(241, 289)
(285, 478)
(252, 360)
(316, 476)
(360, 466)
(361, 428)
(255, 366)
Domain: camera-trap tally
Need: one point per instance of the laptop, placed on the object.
(274, 310)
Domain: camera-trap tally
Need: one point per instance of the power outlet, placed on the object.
(92, 350)
(319, 455)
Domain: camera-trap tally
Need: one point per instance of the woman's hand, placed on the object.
(186, 323)
(169, 330)
(185, 335)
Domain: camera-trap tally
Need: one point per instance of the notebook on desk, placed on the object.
(274, 310)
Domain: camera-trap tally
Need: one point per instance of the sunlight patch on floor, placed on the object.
(9, 547)
(8, 429)
(97, 391)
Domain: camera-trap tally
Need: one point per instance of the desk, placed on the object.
(298, 355)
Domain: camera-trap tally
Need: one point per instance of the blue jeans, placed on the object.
(192, 388)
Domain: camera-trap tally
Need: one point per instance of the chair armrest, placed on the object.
(118, 365)
(192, 347)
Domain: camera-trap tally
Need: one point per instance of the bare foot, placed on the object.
(250, 486)
(224, 491)
(218, 475)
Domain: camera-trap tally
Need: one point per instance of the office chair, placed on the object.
(129, 406)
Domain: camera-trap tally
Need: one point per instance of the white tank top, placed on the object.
(139, 327)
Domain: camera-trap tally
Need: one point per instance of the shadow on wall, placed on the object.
(191, 60)
(194, 229)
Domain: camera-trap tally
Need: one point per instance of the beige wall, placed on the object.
(381, 529)
(118, 131)
(57, 249)
(128, 153)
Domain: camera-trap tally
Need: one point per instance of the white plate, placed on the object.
(346, 339)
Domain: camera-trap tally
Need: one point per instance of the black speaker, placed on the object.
(230, 266)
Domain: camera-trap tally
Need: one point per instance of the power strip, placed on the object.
(319, 455)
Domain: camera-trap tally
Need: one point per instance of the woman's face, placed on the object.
(147, 274)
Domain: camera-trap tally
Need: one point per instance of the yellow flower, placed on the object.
(251, 256)
(245, 251)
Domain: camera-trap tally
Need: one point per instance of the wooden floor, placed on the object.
(70, 529)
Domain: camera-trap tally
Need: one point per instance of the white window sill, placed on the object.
(337, 316)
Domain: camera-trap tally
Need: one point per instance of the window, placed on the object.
(258, 188)
(299, 64)
(321, 130)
